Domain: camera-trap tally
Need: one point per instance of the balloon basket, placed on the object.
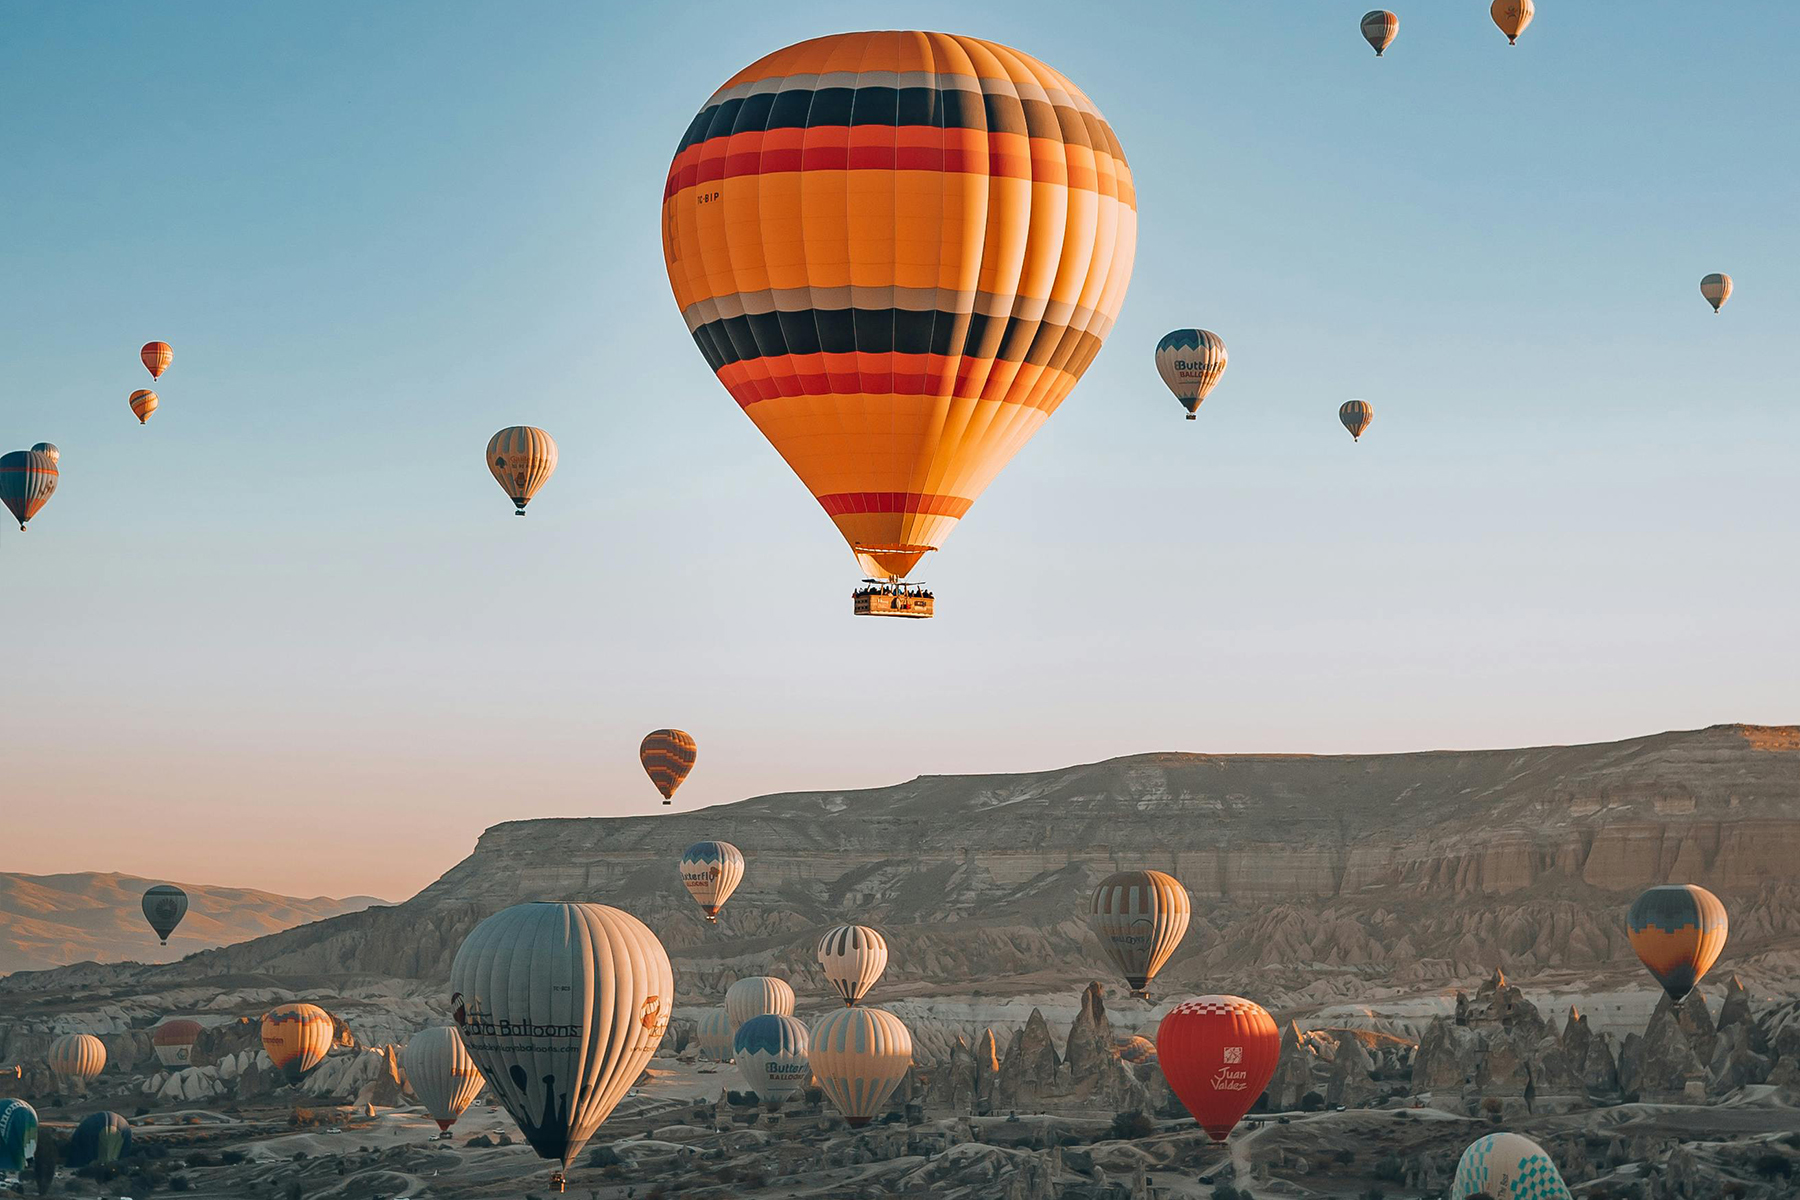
(557, 1181)
(893, 600)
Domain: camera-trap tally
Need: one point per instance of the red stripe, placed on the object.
(874, 373)
(839, 503)
(885, 147)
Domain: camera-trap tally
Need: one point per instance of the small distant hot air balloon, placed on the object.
(853, 956)
(157, 356)
(174, 1042)
(1356, 416)
(1505, 1166)
(143, 403)
(27, 481)
(1512, 16)
(1678, 932)
(49, 448)
(710, 871)
(1218, 1053)
(18, 1134)
(1139, 917)
(1717, 289)
(771, 1054)
(668, 756)
(164, 906)
(442, 1074)
(1191, 361)
(521, 459)
(561, 1006)
(756, 996)
(1378, 29)
(297, 1037)
(77, 1056)
(101, 1138)
(715, 1030)
(859, 1055)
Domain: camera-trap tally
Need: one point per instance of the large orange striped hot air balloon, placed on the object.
(1678, 932)
(898, 251)
(157, 356)
(297, 1038)
(668, 755)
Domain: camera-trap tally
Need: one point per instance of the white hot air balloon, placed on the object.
(442, 1074)
(561, 1005)
(77, 1056)
(860, 1055)
(854, 956)
(1191, 361)
(1506, 1166)
(1139, 917)
(756, 996)
(772, 1054)
(711, 871)
(1716, 288)
(715, 1031)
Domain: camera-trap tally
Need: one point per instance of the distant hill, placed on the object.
(54, 920)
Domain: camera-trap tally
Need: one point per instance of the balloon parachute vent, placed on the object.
(893, 600)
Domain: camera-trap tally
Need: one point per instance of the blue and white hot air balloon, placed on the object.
(1507, 1167)
(1191, 361)
(772, 1053)
(711, 871)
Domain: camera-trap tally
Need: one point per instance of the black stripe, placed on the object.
(845, 330)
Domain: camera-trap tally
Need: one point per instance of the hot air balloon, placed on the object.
(522, 459)
(1356, 416)
(18, 1134)
(77, 1056)
(711, 871)
(27, 481)
(1715, 287)
(771, 1053)
(1139, 917)
(1512, 16)
(1378, 29)
(561, 1006)
(1191, 361)
(715, 1030)
(143, 403)
(757, 996)
(1218, 1053)
(49, 449)
(102, 1137)
(898, 284)
(174, 1042)
(1505, 1166)
(854, 956)
(164, 906)
(297, 1038)
(1678, 932)
(860, 1055)
(442, 1074)
(157, 356)
(668, 756)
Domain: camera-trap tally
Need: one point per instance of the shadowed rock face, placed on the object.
(1412, 869)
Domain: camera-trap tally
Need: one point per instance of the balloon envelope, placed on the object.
(755, 996)
(442, 1073)
(1140, 918)
(1678, 932)
(521, 459)
(18, 1134)
(156, 357)
(27, 481)
(143, 402)
(164, 907)
(1191, 361)
(174, 1042)
(898, 252)
(297, 1038)
(77, 1056)
(1717, 289)
(859, 1055)
(102, 1137)
(715, 1030)
(853, 957)
(1506, 1166)
(1512, 16)
(1218, 1053)
(1378, 29)
(667, 756)
(1355, 415)
(711, 871)
(771, 1053)
(561, 1005)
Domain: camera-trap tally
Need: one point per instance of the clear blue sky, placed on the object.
(289, 634)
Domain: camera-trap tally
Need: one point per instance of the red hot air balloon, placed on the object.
(1218, 1053)
(157, 356)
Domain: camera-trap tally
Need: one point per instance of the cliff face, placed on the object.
(1315, 876)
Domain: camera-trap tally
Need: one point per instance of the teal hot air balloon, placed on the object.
(18, 1134)
(27, 481)
(772, 1052)
(1505, 1166)
(164, 906)
(102, 1137)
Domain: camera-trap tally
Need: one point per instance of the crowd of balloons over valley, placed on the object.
(897, 345)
